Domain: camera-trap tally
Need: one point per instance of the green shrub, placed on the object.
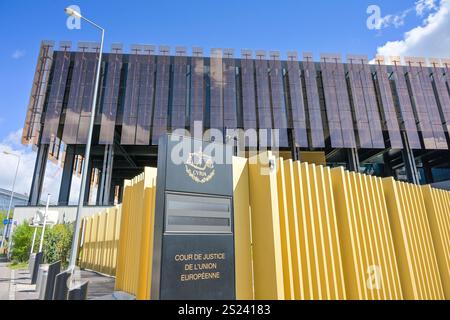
(57, 243)
(56, 246)
(22, 238)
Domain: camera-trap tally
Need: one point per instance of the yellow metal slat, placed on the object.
(293, 225)
(267, 256)
(284, 233)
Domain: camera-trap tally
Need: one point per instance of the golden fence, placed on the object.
(336, 234)
(304, 231)
(134, 267)
(100, 241)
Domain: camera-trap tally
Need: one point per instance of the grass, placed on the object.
(18, 265)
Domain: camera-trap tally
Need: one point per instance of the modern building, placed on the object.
(380, 119)
(5, 198)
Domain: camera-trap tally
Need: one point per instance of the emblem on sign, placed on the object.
(200, 167)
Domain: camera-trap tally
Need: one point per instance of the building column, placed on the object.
(112, 195)
(409, 161)
(38, 175)
(101, 186)
(428, 172)
(108, 176)
(66, 181)
(105, 181)
(387, 166)
(292, 143)
(88, 182)
(353, 160)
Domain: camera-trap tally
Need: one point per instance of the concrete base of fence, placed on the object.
(36, 262)
(79, 292)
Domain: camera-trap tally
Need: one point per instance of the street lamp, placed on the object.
(8, 228)
(76, 233)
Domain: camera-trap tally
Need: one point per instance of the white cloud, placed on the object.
(18, 54)
(424, 6)
(431, 39)
(8, 164)
(421, 7)
(396, 20)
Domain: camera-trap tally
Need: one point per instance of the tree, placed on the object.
(22, 238)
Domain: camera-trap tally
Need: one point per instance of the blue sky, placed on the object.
(315, 26)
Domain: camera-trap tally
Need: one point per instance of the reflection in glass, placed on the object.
(56, 96)
(197, 91)
(111, 99)
(81, 95)
(364, 103)
(337, 102)
(161, 95)
(409, 121)
(248, 90)
(313, 102)
(387, 103)
(426, 108)
(296, 101)
(32, 127)
(442, 92)
(179, 89)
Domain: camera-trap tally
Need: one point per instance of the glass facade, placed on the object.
(180, 87)
(388, 120)
(408, 119)
(230, 116)
(443, 98)
(248, 90)
(56, 94)
(364, 103)
(313, 102)
(337, 103)
(32, 126)
(277, 98)
(79, 104)
(161, 94)
(217, 84)
(197, 91)
(110, 98)
(296, 101)
(425, 104)
(386, 101)
(316, 105)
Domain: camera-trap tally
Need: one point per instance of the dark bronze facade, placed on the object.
(374, 110)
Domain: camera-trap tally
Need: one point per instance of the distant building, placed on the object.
(18, 199)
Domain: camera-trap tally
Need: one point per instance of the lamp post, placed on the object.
(41, 243)
(8, 226)
(76, 233)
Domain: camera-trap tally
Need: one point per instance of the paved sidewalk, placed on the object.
(5, 277)
(23, 289)
(15, 284)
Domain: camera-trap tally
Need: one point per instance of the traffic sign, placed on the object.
(5, 222)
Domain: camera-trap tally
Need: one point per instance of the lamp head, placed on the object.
(71, 12)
